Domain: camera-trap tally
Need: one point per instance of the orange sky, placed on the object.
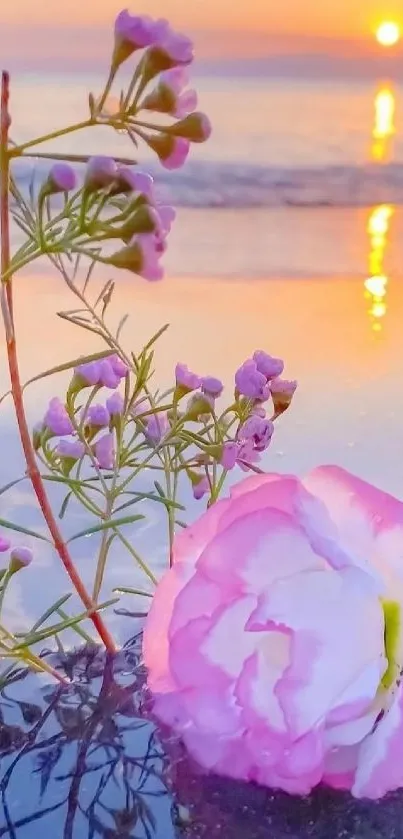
(338, 18)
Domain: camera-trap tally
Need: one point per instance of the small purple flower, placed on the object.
(214, 387)
(250, 382)
(185, 104)
(130, 179)
(266, 364)
(72, 449)
(61, 178)
(57, 419)
(166, 216)
(200, 488)
(177, 155)
(185, 379)
(156, 427)
(132, 32)
(282, 392)
(247, 454)
(229, 455)
(176, 80)
(100, 173)
(107, 375)
(98, 416)
(90, 372)
(115, 404)
(19, 558)
(257, 429)
(105, 452)
(178, 47)
(140, 408)
(118, 366)
(5, 544)
(151, 253)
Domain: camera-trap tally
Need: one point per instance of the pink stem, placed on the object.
(32, 468)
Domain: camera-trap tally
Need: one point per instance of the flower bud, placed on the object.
(141, 257)
(100, 173)
(5, 544)
(19, 558)
(61, 178)
(132, 32)
(172, 151)
(282, 392)
(199, 406)
(143, 220)
(195, 127)
(186, 381)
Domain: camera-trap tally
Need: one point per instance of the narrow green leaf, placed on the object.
(84, 635)
(12, 484)
(156, 336)
(106, 525)
(64, 506)
(50, 611)
(60, 368)
(128, 590)
(34, 638)
(17, 527)
(140, 496)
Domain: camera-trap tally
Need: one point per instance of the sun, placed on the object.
(388, 34)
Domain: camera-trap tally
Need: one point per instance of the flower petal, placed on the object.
(380, 765)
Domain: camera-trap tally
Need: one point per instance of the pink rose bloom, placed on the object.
(274, 644)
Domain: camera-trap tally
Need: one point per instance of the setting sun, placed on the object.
(388, 34)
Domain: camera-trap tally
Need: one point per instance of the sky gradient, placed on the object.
(38, 34)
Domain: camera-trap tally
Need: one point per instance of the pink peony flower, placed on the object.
(274, 645)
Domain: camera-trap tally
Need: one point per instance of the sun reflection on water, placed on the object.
(384, 126)
(377, 282)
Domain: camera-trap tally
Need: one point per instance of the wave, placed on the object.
(242, 185)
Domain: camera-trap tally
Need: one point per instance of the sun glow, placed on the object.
(388, 34)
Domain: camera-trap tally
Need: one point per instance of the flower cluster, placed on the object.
(115, 202)
(165, 55)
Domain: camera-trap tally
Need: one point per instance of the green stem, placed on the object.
(17, 151)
